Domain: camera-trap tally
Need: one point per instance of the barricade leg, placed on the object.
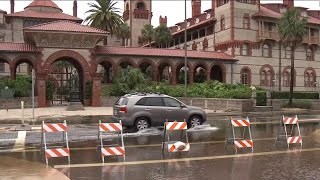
(285, 130)
(234, 139)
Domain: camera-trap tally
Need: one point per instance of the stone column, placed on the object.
(41, 87)
(174, 77)
(268, 96)
(190, 77)
(155, 75)
(96, 87)
(208, 75)
(12, 73)
(254, 96)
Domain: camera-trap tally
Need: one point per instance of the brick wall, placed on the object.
(16, 103)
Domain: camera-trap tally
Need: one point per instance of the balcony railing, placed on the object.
(269, 35)
(311, 40)
(141, 14)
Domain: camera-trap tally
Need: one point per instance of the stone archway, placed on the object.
(147, 67)
(72, 57)
(200, 72)
(218, 73)
(22, 59)
(4, 65)
(180, 73)
(124, 63)
(107, 70)
(166, 71)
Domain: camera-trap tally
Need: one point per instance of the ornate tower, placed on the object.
(137, 13)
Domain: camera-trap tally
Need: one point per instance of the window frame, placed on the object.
(173, 100)
(246, 21)
(268, 49)
(222, 23)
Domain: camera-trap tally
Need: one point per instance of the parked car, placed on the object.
(143, 110)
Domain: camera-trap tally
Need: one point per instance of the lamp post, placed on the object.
(185, 51)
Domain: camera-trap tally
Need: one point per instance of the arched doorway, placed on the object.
(66, 75)
(22, 66)
(125, 63)
(180, 73)
(165, 72)
(146, 68)
(200, 73)
(105, 69)
(217, 73)
(4, 69)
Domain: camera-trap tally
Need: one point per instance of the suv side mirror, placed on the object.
(182, 106)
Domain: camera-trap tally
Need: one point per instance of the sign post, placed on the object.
(33, 82)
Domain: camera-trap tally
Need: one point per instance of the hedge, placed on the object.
(296, 95)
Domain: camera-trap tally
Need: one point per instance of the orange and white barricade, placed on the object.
(244, 140)
(175, 146)
(115, 149)
(286, 123)
(54, 151)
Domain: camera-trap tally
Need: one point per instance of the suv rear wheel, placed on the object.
(141, 123)
(195, 120)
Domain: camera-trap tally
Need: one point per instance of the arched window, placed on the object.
(141, 6)
(266, 50)
(266, 76)
(244, 50)
(310, 78)
(286, 74)
(245, 77)
(309, 54)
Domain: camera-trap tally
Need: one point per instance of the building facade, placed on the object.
(42, 36)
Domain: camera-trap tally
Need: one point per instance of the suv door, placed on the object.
(153, 106)
(174, 111)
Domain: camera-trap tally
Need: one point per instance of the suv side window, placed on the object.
(141, 102)
(154, 101)
(169, 102)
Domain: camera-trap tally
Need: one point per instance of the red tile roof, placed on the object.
(43, 3)
(44, 15)
(65, 26)
(17, 47)
(265, 12)
(162, 53)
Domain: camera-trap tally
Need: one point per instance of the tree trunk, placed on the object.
(292, 76)
(123, 42)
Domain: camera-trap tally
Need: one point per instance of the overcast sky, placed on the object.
(173, 9)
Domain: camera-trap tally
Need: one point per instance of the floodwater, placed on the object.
(208, 158)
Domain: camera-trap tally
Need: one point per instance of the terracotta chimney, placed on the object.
(196, 7)
(12, 6)
(75, 8)
(289, 3)
(163, 20)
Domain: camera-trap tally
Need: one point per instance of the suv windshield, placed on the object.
(122, 101)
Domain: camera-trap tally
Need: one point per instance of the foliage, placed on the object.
(124, 32)
(162, 35)
(261, 98)
(128, 80)
(49, 90)
(104, 15)
(22, 85)
(147, 33)
(292, 30)
(300, 103)
(296, 95)
(88, 90)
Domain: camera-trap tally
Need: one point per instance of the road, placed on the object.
(208, 158)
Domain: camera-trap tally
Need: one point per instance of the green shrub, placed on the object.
(88, 90)
(261, 98)
(49, 90)
(296, 95)
(22, 85)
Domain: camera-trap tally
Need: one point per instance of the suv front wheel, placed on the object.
(141, 123)
(194, 120)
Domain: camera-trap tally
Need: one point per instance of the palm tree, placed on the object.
(162, 35)
(292, 30)
(104, 15)
(124, 33)
(147, 33)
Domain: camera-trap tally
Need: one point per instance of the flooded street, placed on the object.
(144, 159)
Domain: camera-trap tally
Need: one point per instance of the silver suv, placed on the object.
(142, 110)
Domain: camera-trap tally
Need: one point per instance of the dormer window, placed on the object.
(304, 14)
(197, 20)
(208, 15)
(178, 28)
(188, 24)
(141, 6)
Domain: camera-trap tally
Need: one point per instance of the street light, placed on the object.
(185, 51)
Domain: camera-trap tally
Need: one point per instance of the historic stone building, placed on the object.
(43, 35)
(247, 31)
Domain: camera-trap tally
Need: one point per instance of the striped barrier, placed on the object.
(289, 124)
(52, 152)
(240, 142)
(109, 150)
(175, 146)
